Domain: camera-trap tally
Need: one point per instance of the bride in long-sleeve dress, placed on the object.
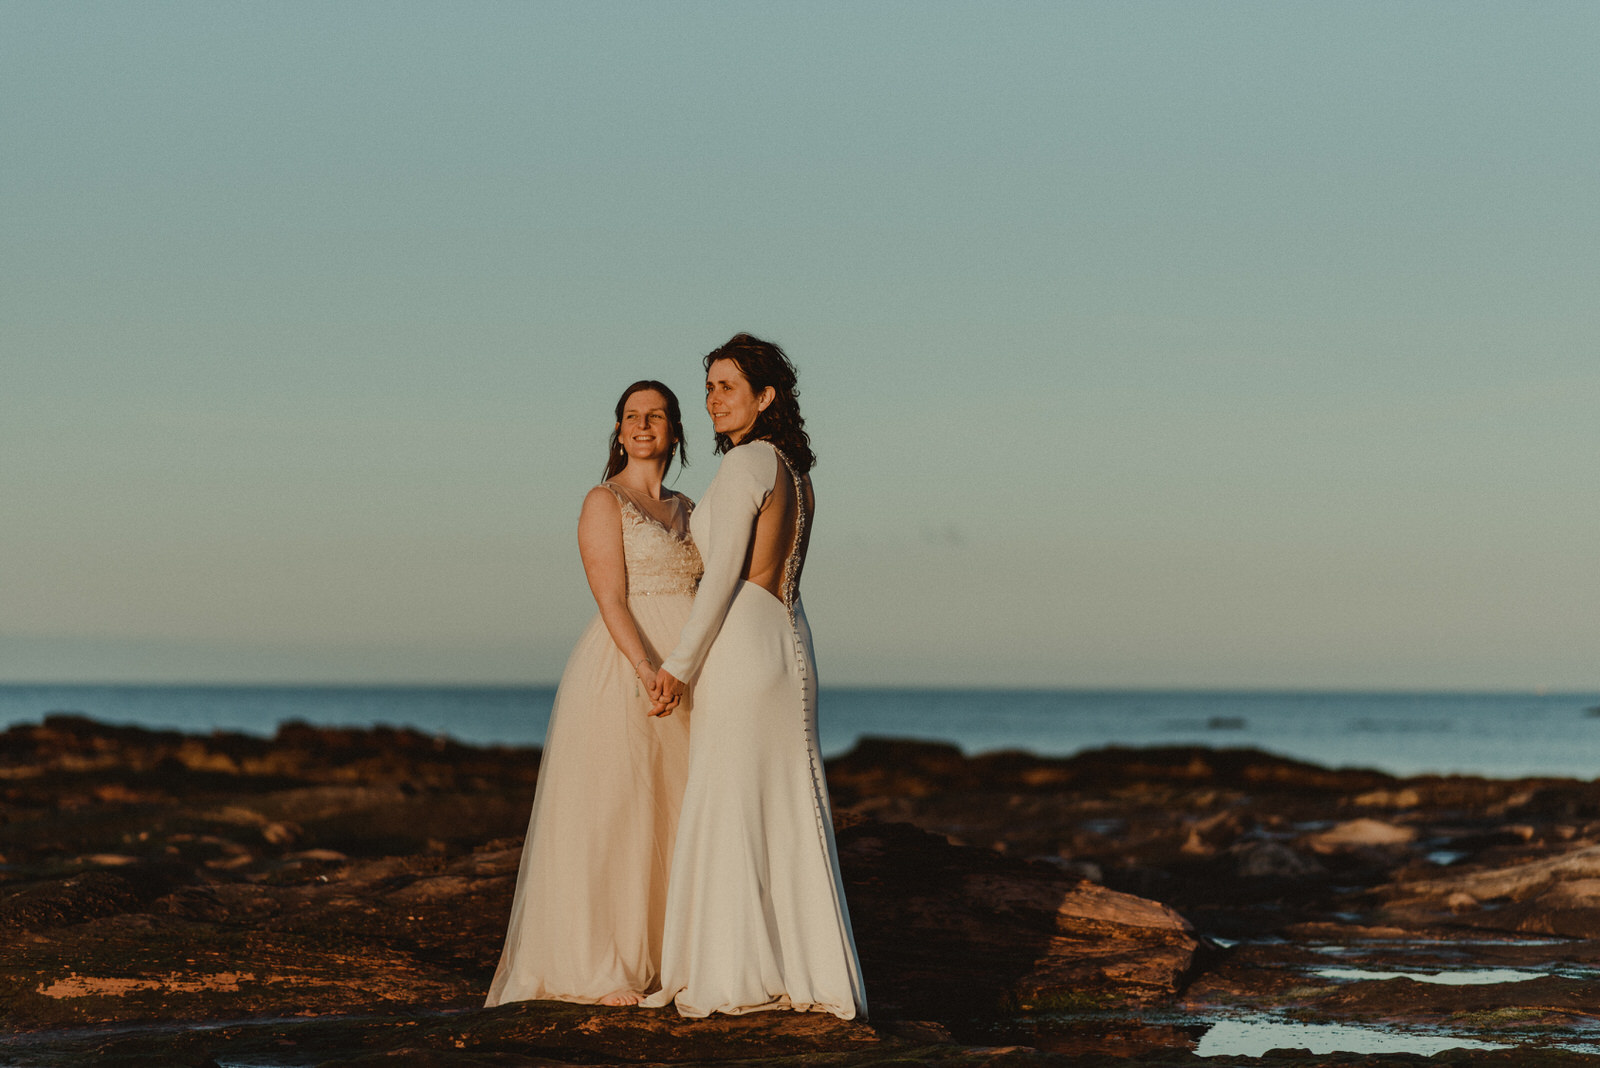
(586, 920)
(756, 915)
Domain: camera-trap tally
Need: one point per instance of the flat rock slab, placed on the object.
(1555, 893)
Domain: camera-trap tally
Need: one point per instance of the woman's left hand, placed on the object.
(666, 693)
(646, 672)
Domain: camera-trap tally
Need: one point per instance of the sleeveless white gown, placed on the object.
(756, 915)
(591, 893)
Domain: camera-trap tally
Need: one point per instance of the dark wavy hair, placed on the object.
(617, 459)
(763, 364)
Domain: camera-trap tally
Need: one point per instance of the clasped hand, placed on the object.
(665, 693)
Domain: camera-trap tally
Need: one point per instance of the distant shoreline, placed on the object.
(1499, 735)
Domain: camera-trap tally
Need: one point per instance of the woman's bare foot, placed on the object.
(624, 996)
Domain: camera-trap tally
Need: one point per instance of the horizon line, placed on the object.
(190, 684)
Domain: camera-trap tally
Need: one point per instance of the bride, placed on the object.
(586, 920)
(756, 915)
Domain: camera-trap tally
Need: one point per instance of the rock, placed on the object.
(1515, 882)
(1029, 934)
(1363, 833)
(1082, 869)
(1404, 798)
(1272, 860)
(1556, 895)
(329, 855)
(87, 896)
(109, 860)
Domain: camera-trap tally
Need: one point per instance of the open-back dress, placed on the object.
(591, 893)
(756, 915)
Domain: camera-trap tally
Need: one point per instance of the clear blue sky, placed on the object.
(1143, 344)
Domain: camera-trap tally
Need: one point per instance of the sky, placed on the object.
(1141, 344)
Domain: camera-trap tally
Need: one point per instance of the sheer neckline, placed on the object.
(672, 496)
(630, 499)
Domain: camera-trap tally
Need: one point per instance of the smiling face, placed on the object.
(645, 431)
(731, 403)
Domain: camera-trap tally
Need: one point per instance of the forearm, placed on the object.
(711, 603)
(624, 630)
(731, 503)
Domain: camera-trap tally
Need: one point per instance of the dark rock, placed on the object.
(1028, 935)
(88, 895)
(1272, 860)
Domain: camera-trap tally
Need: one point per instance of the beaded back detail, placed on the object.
(802, 520)
(820, 808)
(659, 560)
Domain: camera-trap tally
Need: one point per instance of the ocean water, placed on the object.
(1496, 734)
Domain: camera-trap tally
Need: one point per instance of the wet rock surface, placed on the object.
(339, 897)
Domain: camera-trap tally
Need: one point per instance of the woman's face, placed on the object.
(645, 431)
(731, 403)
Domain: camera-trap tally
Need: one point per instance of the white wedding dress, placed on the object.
(756, 915)
(591, 894)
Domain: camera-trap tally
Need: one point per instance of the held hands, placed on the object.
(646, 673)
(662, 699)
(665, 694)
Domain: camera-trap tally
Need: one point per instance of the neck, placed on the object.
(643, 476)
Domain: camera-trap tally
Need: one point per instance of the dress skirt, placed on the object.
(755, 910)
(592, 890)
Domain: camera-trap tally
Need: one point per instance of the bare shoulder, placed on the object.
(599, 503)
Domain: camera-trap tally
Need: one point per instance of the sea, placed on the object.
(1492, 734)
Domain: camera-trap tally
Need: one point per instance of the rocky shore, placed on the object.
(338, 897)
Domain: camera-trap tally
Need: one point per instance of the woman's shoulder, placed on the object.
(750, 469)
(753, 459)
(603, 497)
(757, 455)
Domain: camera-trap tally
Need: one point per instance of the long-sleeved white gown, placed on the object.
(591, 893)
(756, 914)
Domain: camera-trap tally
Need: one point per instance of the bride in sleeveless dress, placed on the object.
(586, 921)
(756, 915)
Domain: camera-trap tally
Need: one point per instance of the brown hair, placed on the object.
(763, 364)
(617, 459)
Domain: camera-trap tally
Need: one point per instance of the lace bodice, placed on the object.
(660, 559)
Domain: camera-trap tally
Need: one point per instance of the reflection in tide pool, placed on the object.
(1254, 1036)
(1454, 977)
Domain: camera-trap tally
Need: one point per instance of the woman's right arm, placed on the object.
(606, 568)
(732, 501)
